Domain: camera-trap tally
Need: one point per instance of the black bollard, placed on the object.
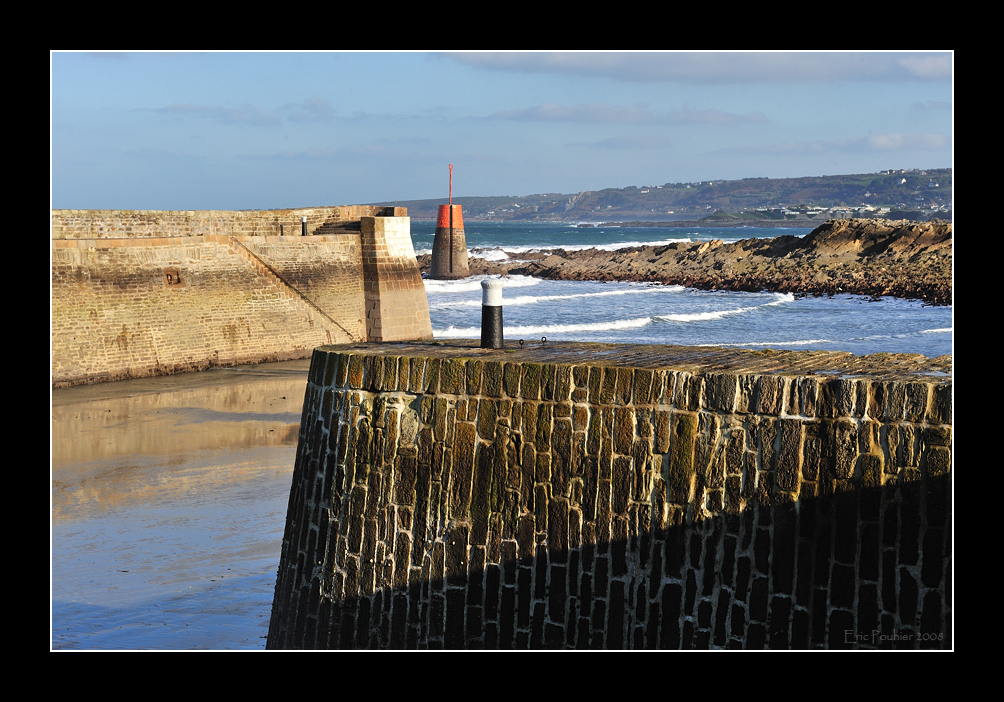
(491, 314)
(303, 226)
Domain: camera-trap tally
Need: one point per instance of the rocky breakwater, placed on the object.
(857, 256)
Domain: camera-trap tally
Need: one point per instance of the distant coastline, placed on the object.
(917, 195)
(734, 222)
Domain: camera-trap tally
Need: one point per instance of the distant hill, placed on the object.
(914, 194)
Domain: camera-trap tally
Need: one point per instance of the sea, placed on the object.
(651, 313)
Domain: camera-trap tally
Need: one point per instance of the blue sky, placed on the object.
(174, 131)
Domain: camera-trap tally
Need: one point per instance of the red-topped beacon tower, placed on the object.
(449, 249)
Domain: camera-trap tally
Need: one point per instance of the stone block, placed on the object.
(453, 378)
(720, 391)
(746, 393)
(789, 464)
(845, 448)
(937, 435)
(510, 379)
(562, 383)
(770, 394)
(530, 382)
(355, 374)
(837, 397)
(488, 411)
(624, 420)
(643, 386)
(940, 409)
(680, 473)
(474, 371)
(547, 373)
(735, 450)
(544, 418)
(937, 460)
(804, 396)
(662, 418)
(916, 401)
(608, 386)
(871, 467)
(493, 379)
(625, 386)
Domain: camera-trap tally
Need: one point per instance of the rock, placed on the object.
(863, 257)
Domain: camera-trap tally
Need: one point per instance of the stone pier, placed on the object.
(591, 496)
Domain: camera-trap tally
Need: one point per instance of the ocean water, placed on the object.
(645, 313)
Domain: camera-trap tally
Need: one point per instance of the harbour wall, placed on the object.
(150, 293)
(610, 497)
(136, 224)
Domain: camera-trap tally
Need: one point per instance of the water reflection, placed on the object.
(168, 493)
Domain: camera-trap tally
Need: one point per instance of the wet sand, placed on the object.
(168, 502)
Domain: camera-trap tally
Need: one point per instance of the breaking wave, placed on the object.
(781, 298)
(535, 299)
(474, 283)
(544, 329)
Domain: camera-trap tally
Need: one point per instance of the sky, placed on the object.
(189, 131)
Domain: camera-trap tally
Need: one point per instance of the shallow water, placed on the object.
(168, 506)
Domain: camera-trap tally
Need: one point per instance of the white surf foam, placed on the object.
(535, 299)
(780, 299)
(530, 248)
(543, 329)
(774, 344)
(493, 254)
(474, 283)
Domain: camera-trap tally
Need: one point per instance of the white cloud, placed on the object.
(598, 112)
(244, 114)
(721, 67)
(936, 67)
(594, 112)
(931, 105)
(872, 142)
(311, 110)
(897, 142)
(712, 116)
(630, 141)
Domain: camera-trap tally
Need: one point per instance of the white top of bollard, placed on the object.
(491, 292)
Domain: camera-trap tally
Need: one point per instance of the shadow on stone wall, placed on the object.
(867, 568)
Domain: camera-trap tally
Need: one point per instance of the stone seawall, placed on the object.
(129, 304)
(599, 496)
